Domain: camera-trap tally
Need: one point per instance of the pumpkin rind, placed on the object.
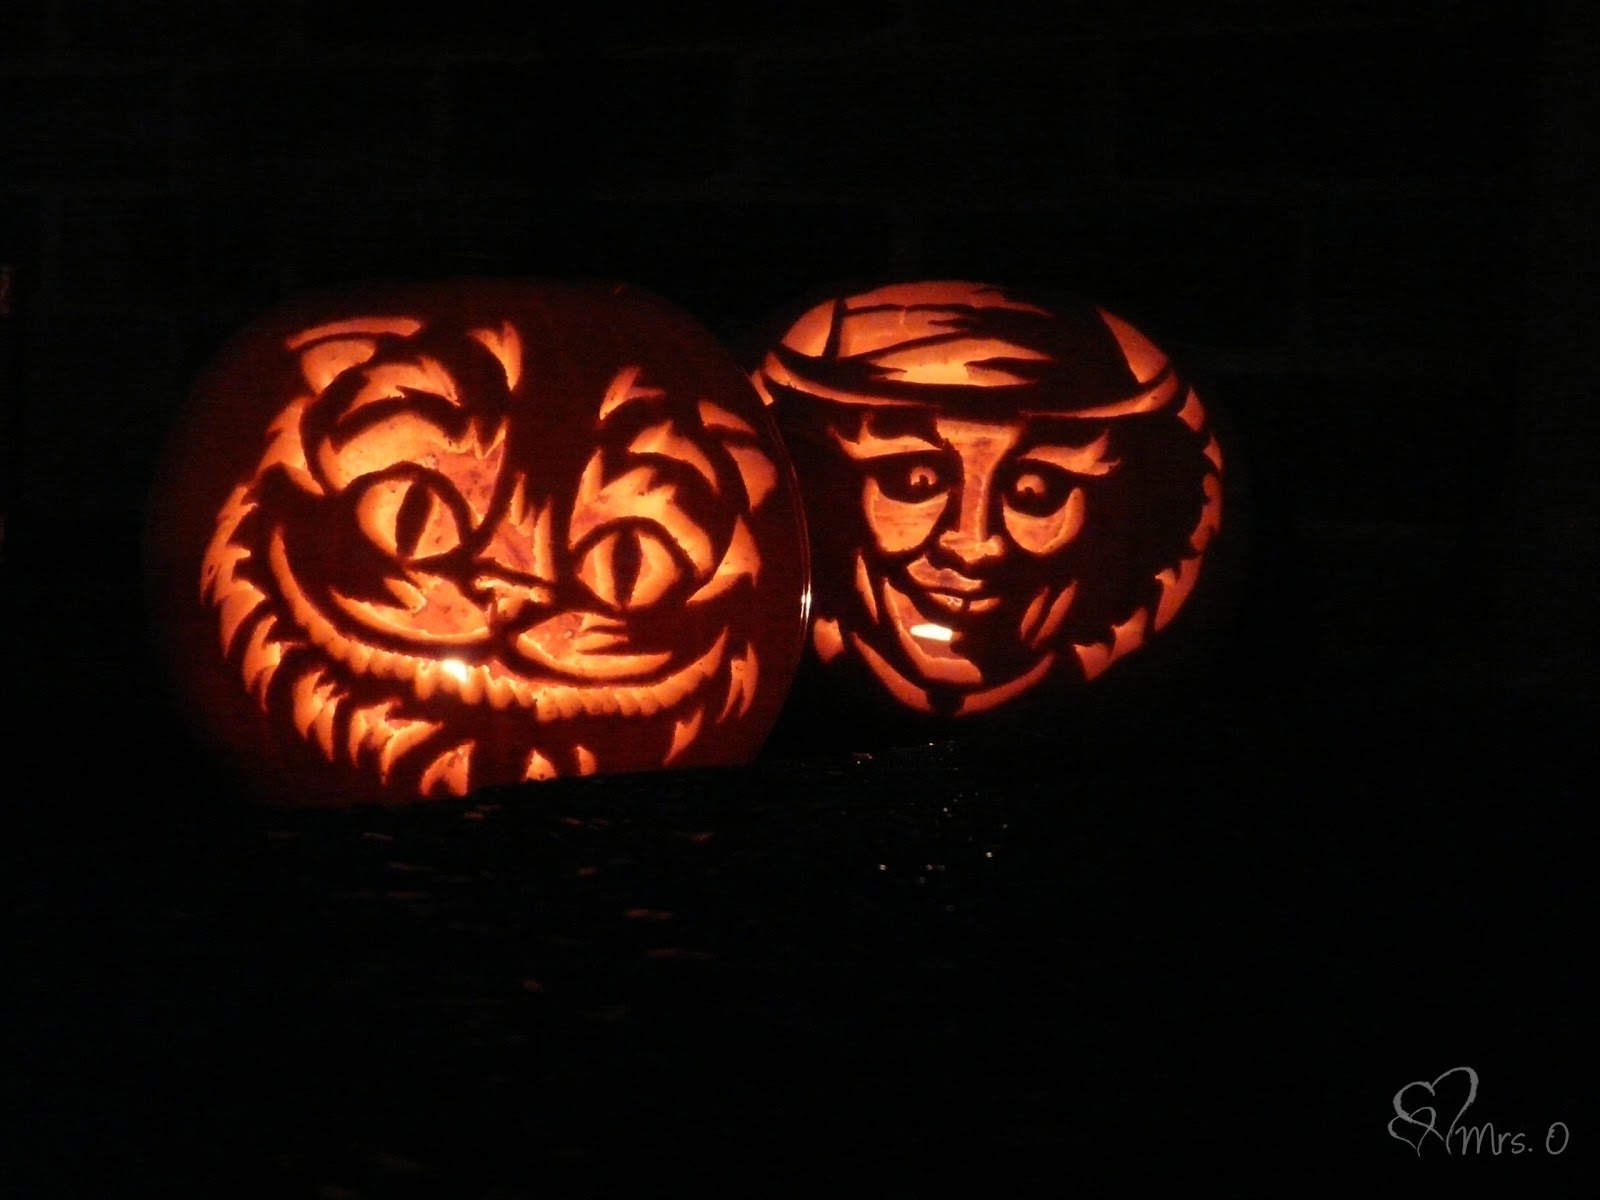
(418, 540)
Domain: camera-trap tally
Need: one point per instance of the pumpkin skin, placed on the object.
(1005, 497)
(415, 541)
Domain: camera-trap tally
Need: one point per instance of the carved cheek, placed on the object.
(1047, 533)
(900, 526)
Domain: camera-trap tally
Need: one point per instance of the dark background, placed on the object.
(1234, 927)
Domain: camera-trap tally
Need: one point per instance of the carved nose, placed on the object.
(973, 549)
(971, 541)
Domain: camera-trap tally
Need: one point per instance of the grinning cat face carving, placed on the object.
(475, 550)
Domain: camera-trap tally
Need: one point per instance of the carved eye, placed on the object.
(412, 517)
(629, 568)
(910, 479)
(1037, 489)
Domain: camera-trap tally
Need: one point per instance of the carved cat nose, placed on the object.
(513, 598)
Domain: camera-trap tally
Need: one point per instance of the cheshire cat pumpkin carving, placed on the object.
(419, 541)
(1004, 498)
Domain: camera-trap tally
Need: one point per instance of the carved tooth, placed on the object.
(472, 687)
(425, 679)
(568, 703)
(501, 693)
(587, 764)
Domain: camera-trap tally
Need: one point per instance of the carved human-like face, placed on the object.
(1032, 493)
(442, 578)
(968, 523)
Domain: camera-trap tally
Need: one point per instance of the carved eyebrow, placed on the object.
(1079, 460)
(868, 446)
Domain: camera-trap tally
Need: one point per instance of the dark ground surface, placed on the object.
(1222, 942)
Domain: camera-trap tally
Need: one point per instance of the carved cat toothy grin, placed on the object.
(448, 568)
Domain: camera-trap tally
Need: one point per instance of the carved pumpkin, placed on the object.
(413, 542)
(1004, 498)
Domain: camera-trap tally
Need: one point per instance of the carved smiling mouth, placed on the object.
(951, 591)
(959, 604)
(624, 692)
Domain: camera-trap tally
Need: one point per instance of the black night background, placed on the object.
(1218, 921)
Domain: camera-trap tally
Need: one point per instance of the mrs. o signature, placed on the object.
(1420, 1105)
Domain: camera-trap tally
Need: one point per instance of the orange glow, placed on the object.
(1007, 461)
(435, 551)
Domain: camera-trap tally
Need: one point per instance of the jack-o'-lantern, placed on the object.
(1005, 498)
(415, 541)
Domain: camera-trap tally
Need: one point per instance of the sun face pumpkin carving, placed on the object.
(488, 532)
(1019, 496)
